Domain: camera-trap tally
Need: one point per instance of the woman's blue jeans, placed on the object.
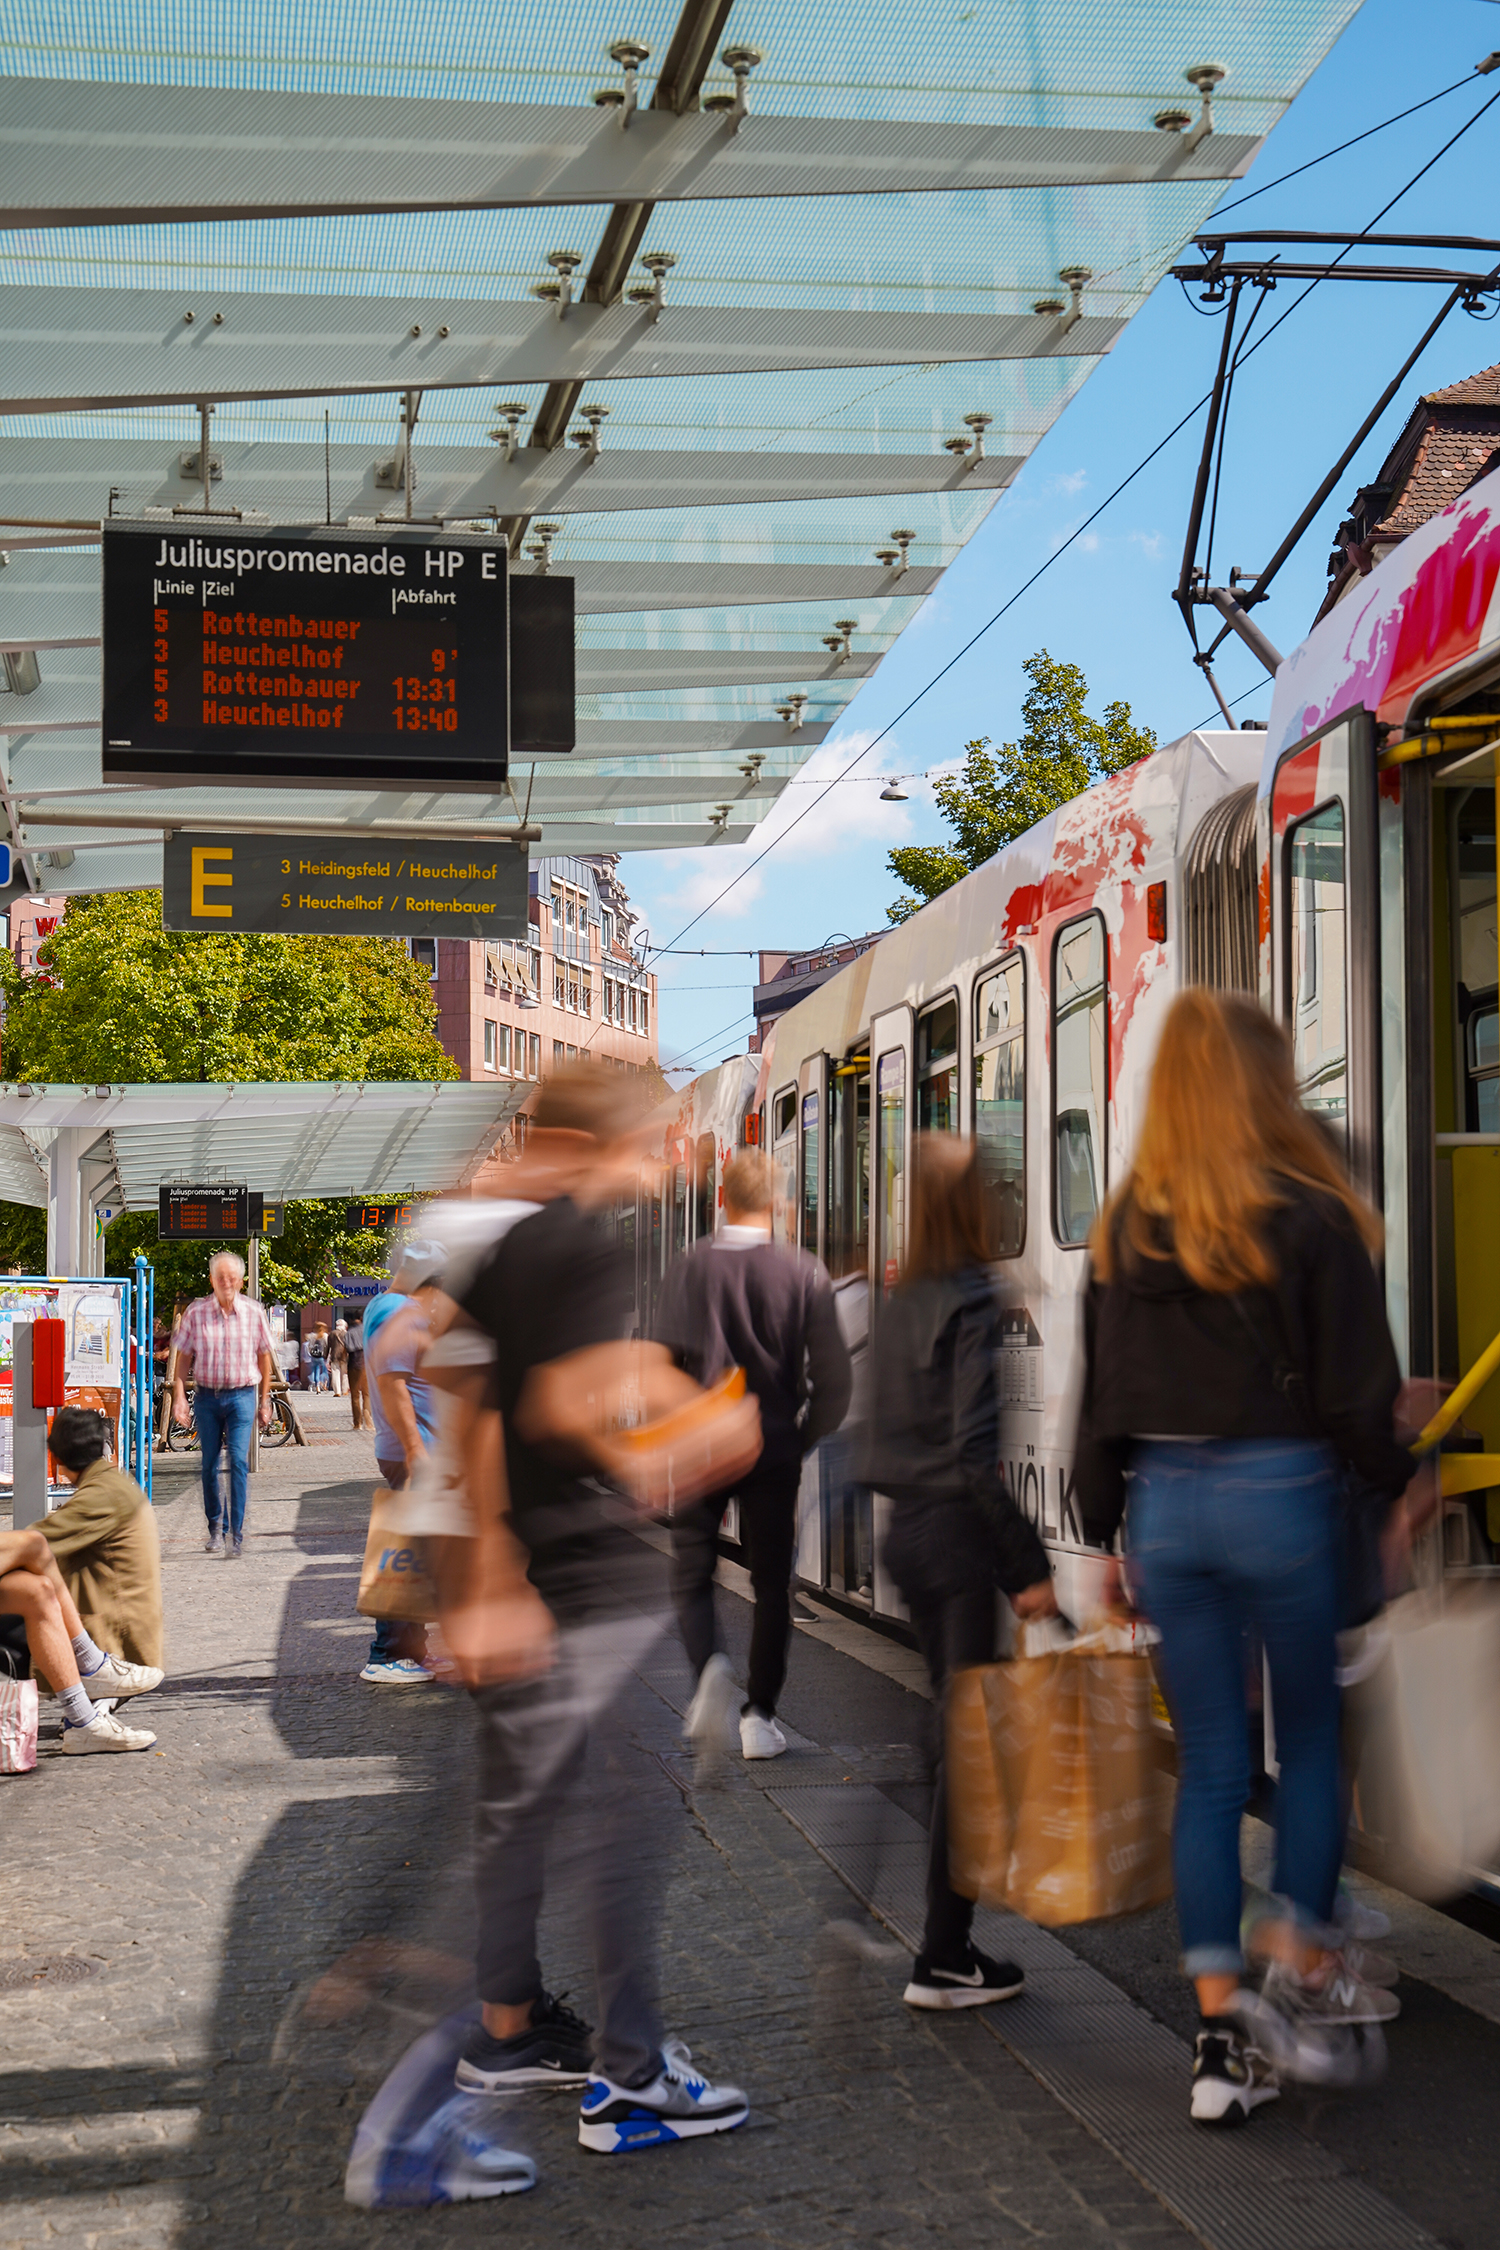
(1227, 1535)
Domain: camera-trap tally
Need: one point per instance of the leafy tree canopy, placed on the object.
(999, 794)
(117, 997)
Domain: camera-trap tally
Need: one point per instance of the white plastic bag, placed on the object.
(1425, 1748)
(18, 1723)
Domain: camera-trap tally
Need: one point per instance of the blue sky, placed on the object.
(1106, 603)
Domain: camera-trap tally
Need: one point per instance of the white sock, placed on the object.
(77, 1709)
(89, 1654)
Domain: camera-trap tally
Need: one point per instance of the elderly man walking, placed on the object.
(225, 1343)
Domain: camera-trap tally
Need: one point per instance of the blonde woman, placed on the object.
(1238, 1365)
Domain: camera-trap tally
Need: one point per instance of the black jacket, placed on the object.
(934, 1442)
(1163, 1358)
(770, 1310)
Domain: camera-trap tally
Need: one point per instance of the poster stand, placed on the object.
(108, 1355)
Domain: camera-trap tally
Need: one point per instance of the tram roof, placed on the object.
(855, 270)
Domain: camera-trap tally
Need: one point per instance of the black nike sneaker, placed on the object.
(972, 1983)
(555, 2049)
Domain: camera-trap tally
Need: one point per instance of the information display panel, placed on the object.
(317, 885)
(378, 1217)
(214, 1213)
(241, 656)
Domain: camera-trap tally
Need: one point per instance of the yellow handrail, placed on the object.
(1459, 1397)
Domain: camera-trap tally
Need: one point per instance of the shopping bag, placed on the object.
(18, 1724)
(1424, 1746)
(393, 1581)
(1060, 1801)
(701, 1447)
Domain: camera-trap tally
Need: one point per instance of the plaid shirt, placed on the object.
(226, 1347)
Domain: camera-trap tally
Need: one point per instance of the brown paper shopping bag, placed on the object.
(1060, 1804)
(393, 1580)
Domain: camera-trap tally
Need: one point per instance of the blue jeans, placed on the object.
(224, 1421)
(317, 1374)
(1229, 1535)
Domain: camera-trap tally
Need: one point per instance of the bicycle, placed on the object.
(281, 1430)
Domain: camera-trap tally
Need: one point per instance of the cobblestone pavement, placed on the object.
(274, 1903)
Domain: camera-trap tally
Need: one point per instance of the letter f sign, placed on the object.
(204, 881)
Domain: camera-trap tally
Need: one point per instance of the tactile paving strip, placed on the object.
(1122, 2074)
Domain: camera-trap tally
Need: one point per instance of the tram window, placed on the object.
(848, 1236)
(1315, 866)
(1000, 1100)
(1482, 1035)
(1080, 1051)
(1474, 955)
(703, 1186)
(809, 1203)
(679, 1210)
(784, 1157)
(890, 1162)
(937, 1068)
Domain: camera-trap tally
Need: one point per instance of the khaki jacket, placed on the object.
(105, 1543)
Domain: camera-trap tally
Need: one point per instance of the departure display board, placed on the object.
(214, 1213)
(240, 656)
(404, 886)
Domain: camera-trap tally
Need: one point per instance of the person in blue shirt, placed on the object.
(404, 1413)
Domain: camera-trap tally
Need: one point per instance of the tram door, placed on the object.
(1325, 942)
(892, 1065)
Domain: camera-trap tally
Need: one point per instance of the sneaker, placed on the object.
(1301, 2046)
(760, 1737)
(1332, 1995)
(711, 1712)
(115, 1679)
(1366, 1924)
(678, 2104)
(104, 1733)
(1230, 2078)
(396, 1671)
(1367, 1966)
(975, 1985)
(556, 2049)
(214, 1543)
(234, 1552)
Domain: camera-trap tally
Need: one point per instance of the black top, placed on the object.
(552, 1285)
(770, 1310)
(1163, 1358)
(934, 1443)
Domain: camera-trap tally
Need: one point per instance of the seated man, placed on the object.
(31, 1588)
(104, 1542)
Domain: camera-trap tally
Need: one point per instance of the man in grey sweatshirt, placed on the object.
(742, 1300)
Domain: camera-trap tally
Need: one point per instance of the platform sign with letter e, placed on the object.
(316, 886)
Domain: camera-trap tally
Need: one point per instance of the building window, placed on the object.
(489, 1045)
(424, 953)
(632, 1007)
(536, 970)
(536, 1051)
(492, 968)
(645, 1021)
(573, 994)
(586, 994)
(572, 1054)
(606, 932)
(560, 987)
(503, 1037)
(557, 1051)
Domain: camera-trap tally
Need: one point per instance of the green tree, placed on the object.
(1001, 793)
(117, 997)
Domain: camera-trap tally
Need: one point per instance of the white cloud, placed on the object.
(1087, 542)
(1070, 480)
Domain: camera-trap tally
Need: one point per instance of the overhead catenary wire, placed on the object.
(1077, 533)
(1297, 170)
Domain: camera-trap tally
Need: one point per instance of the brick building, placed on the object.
(786, 978)
(517, 1010)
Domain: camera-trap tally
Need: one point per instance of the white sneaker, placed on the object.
(1365, 1924)
(105, 1733)
(760, 1737)
(396, 1671)
(709, 1715)
(115, 1679)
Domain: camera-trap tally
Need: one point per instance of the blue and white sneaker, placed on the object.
(396, 1671)
(420, 2143)
(677, 2105)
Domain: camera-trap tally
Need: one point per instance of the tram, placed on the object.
(1340, 862)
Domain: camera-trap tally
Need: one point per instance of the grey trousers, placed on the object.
(542, 1744)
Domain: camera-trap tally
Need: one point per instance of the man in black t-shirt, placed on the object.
(570, 1604)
